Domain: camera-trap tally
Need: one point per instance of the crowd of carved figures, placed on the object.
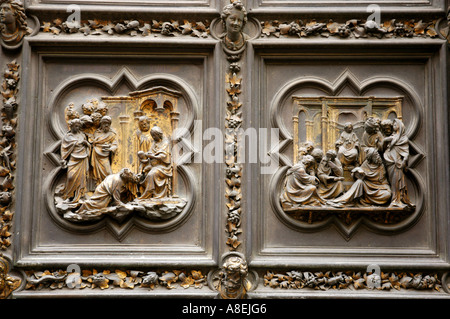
(377, 163)
(87, 150)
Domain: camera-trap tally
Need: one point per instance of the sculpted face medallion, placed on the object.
(13, 24)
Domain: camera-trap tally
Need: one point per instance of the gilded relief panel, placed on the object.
(339, 129)
(116, 158)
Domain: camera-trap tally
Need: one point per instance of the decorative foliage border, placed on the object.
(127, 279)
(9, 91)
(199, 29)
(131, 279)
(354, 28)
(8, 149)
(233, 122)
(352, 280)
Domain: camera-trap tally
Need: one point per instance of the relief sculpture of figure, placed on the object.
(157, 171)
(13, 23)
(93, 188)
(331, 175)
(317, 154)
(75, 151)
(371, 186)
(396, 158)
(386, 127)
(112, 191)
(234, 17)
(372, 137)
(301, 188)
(233, 282)
(104, 146)
(142, 136)
(347, 147)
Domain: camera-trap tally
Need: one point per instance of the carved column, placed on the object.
(124, 120)
(296, 137)
(324, 124)
(174, 116)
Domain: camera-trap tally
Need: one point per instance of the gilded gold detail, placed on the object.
(124, 164)
(350, 156)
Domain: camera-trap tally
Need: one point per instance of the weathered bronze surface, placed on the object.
(101, 194)
(104, 176)
(126, 279)
(352, 280)
(365, 172)
(353, 28)
(13, 24)
(7, 283)
(234, 17)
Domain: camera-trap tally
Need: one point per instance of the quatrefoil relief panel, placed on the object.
(157, 100)
(318, 115)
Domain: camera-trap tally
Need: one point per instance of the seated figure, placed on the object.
(371, 186)
(347, 147)
(156, 167)
(331, 175)
(300, 187)
(317, 154)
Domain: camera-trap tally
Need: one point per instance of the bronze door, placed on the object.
(255, 149)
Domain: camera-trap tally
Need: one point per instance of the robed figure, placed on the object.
(372, 137)
(142, 136)
(331, 175)
(157, 167)
(396, 157)
(301, 188)
(347, 147)
(75, 151)
(114, 190)
(104, 146)
(371, 186)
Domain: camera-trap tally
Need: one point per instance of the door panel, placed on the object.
(211, 107)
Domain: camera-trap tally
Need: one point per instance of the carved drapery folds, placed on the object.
(311, 194)
(348, 168)
(104, 176)
(353, 157)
